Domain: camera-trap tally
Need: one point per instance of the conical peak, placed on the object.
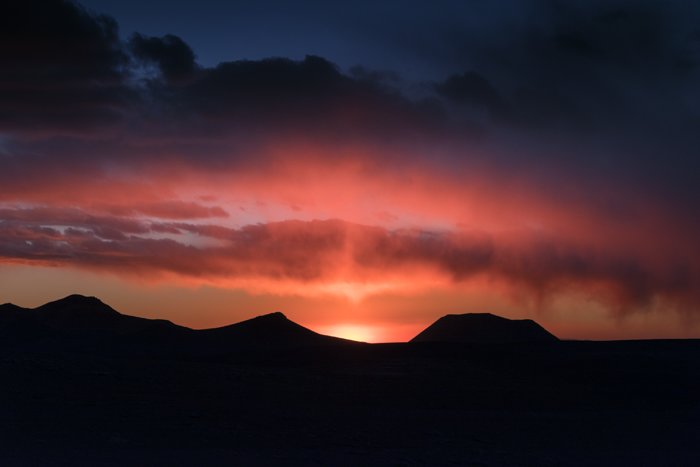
(276, 317)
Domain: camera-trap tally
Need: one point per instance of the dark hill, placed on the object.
(483, 328)
(10, 313)
(10, 308)
(268, 331)
(77, 305)
(19, 324)
(77, 314)
(84, 323)
(87, 323)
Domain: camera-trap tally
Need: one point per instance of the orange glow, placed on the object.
(340, 231)
(355, 332)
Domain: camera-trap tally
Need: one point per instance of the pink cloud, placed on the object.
(329, 255)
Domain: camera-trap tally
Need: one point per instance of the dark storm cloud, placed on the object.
(565, 86)
(584, 63)
(62, 68)
(607, 90)
(172, 55)
(66, 72)
(289, 95)
(60, 42)
(472, 89)
(574, 66)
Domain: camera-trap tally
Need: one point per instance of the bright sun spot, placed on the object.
(355, 332)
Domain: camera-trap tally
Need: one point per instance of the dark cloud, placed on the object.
(172, 55)
(589, 63)
(312, 95)
(67, 73)
(578, 66)
(472, 89)
(606, 92)
(41, 217)
(594, 86)
(387, 77)
(59, 42)
(63, 69)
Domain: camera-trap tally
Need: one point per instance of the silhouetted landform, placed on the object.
(271, 330)
(78, 314)
(79, 321)
(85, 385)
(484, 328)
(89, 323)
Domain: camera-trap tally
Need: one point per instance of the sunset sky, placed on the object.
(363, 167)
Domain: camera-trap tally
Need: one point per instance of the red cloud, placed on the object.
(330, 255)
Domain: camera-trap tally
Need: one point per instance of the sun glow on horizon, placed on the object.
(355, 332)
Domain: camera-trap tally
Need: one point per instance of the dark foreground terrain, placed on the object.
(555, 403)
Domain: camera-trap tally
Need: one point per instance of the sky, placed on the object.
(363, 167)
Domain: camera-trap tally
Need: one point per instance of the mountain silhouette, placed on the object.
(7, 309)
(270, 330)
(79, 319)
(76, 314)
(267, 391)
(484, 328)
(76, 306)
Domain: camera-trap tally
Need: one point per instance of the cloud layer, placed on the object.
(309, 257)
(558, 155)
